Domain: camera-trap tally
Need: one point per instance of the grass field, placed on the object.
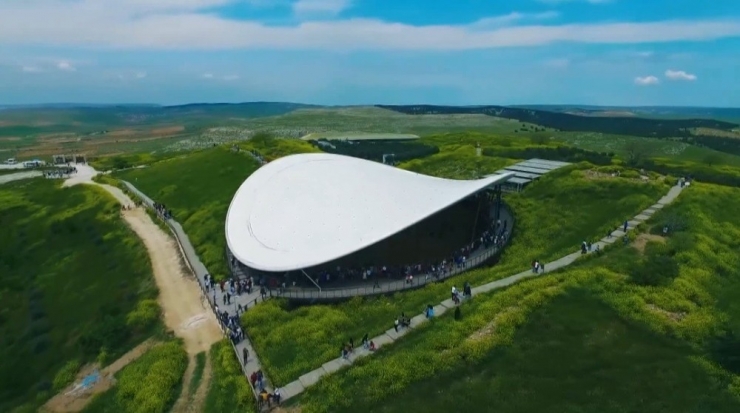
(292, 342)
(597, 336)
(650, 148)
(76, 282)
(229, 390)
(358, 136)
(198, 190)
(149, 384)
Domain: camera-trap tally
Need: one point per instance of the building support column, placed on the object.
(497, 203)
(314, 282)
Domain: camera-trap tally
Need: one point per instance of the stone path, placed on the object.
(299, 386)
(197, 267)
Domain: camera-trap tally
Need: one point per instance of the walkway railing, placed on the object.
(371, 288)
(199, 270)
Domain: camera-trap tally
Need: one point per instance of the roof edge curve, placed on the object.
(300, 264)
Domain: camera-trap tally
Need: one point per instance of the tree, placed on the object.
(713, 159)
(636, 152)
(539, 139)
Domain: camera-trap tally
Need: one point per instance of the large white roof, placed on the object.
(304, 210)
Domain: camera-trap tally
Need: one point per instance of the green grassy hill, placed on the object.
(602, 335)
(76, 283)
(650, 326)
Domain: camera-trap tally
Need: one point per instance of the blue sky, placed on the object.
(598, 52)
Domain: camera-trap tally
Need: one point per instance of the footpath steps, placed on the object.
(297, 387)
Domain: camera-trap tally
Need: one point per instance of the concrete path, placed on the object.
(299, 386)
(18, 176)
(200, 271)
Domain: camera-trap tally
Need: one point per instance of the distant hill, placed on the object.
(619, 125)
(663, 112)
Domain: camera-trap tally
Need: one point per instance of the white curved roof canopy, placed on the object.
(305, 210)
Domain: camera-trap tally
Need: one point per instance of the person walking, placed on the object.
(245, 354)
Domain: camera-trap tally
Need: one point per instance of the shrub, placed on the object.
(71, 271)
(149, 384)
(66, 375)
(229, 389)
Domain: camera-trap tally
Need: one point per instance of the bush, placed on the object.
(725, 350)
(374, 150)
(149, 384)
(559, 153)
(71, 271)
(144, 315)
(66, 375)
(229, 389)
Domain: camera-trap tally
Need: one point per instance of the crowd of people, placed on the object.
(348, 348)
(162, 210)
(495, 236)
(60, 173)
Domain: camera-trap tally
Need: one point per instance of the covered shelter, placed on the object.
(302, 211)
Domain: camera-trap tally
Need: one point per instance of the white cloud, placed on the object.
(324, 7)
(646, 80)
(189, 24)
(140, 75)
(573, 1)
(208, 75)
(31, 69)
(231, 77)
(558, 63)
(66, 66)
(679, 75)
(512, 18)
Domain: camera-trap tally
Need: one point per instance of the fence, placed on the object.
(392, 287)
(370, 289)
(193, 265)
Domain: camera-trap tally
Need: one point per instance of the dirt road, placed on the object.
(179, 296)
(185, 310)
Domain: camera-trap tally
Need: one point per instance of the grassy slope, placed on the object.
(72, 272)
(293, 342)
(150, 384)
(602, 346)
(372, 119)
(198, 189)
(229, 390)
(654, 148)
(574, 354)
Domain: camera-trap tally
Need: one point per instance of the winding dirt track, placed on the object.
(183, 306)
(179, 295)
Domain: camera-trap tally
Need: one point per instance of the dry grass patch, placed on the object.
(490, 328)
(673, 316)
(122, 132)
(168, 130)
(75, 402)
(642, 240)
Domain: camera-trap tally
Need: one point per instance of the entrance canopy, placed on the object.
(305, 210)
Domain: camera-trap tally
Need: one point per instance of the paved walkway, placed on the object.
(197, 267)
(299, 386)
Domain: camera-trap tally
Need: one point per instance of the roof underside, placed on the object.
(305, 210)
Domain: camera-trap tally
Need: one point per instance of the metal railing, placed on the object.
(149, 203)
(370, 288)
